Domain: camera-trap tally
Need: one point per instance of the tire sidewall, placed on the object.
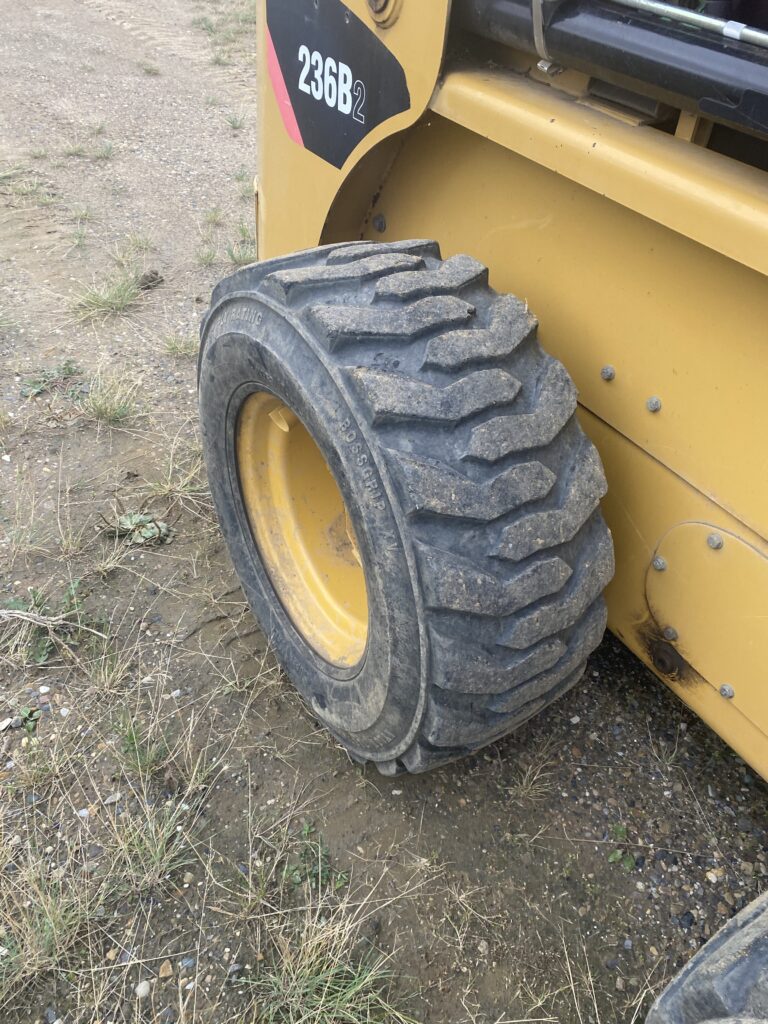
(375, 707)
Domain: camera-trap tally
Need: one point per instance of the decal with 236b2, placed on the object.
(333, 79)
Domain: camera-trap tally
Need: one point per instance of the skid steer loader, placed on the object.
(469, 214)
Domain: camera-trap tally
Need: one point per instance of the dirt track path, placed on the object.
(560, 875)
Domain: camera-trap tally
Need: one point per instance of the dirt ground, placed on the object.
(179, 841)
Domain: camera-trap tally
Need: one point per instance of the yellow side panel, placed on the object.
(691, 585)
(644, 502)
(678, 321)
(298, 187)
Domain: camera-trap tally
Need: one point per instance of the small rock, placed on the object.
(619, 984)
(83, 813)
(627, 943)
(112, 953)
(712, 877)
(150, 279)
(166, 969)
(16, 722)
(113, 798)
(6, 724)
(397, 792)
(142, 990)
(575, 720)
(234, 970)
(64, 712)
(687, 920)
(747, 868)
(483, 947)
(188, 961)
(50, 1015)
(188, 878)
(44, 689)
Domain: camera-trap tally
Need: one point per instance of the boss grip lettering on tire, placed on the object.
(469, 496)
(337, 78)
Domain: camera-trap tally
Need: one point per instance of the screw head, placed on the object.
(653, 404)
(715, 541)
(670, 633)
(608, 373)
(659, 563)
(380, 223)
(727, 691)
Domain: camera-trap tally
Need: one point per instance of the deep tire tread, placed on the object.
(498, 486)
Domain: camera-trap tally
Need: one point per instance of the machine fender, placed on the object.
(333, 79)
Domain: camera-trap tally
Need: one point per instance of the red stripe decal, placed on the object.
(281, 93)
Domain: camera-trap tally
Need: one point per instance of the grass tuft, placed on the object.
(182, 346)
(110, 400)
(111, 297)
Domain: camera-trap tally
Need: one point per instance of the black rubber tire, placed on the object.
(473, 491)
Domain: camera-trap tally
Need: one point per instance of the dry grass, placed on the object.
(113, 296)
(44, 914)
(110, 400)
(535, 781)
(182, 346)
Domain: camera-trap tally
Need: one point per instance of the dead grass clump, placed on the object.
(110, 401)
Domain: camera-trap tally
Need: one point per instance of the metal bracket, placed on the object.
(539, 35)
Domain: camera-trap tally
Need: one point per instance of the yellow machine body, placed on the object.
(644, 256)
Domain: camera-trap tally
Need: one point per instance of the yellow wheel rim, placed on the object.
(302, 529)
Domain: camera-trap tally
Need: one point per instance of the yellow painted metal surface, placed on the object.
(677, 320)
(302, 529)
(692, 590)
(296, 188)
(705, 196)
(636, 249)
(645, 501)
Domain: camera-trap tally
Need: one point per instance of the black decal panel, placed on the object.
(335, 80)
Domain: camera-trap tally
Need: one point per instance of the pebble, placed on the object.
(16, 722)
(188, 961)
(687, 920)
(6, 724)
(575, 720)
(113, 798)
(142, 990)
(44, 689)
(83, 813)
(64, 712)
(188, 878)
(166, 969)
(397, 792)
(483, 947)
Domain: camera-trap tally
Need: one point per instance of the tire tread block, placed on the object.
(349, 252)
(344, 325)
(513, 433)
(432, 486)
(394, 396)
(470, 668)
(543, 529)
(454, 274)
(562, 612)
(453, 583)
(284, 283)
(511, 325)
